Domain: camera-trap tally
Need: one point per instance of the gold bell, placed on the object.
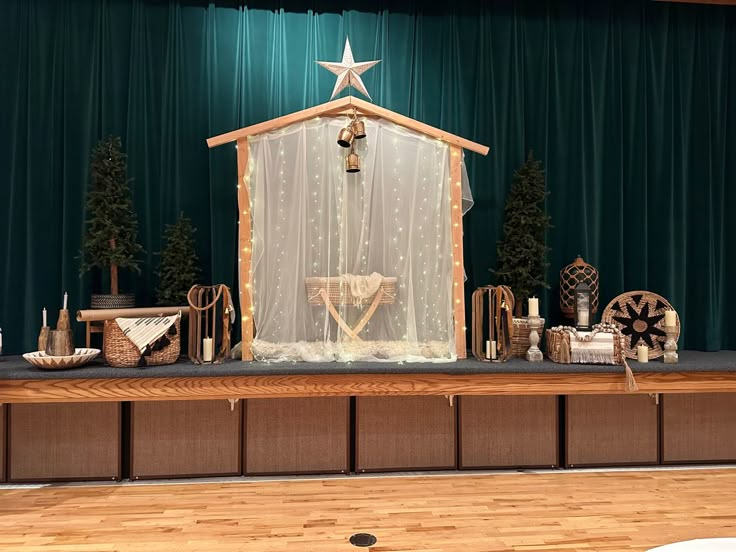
(358, 128)
(352, 162)
(345, 137)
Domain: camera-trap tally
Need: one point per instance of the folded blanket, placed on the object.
(598, 350)
(146, 332)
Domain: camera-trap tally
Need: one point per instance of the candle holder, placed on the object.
(60, 343)
(534, 354)
(43, 338)
(670, 346)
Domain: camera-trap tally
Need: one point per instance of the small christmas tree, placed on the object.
(112, 226)
(522, 253)
(179, 268)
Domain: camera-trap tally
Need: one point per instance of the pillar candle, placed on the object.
(642, 353)
(670, 318)
(44, 317)
(533, 306)
(583, 318)
(488, 350)
(493, 350)
(207, 349)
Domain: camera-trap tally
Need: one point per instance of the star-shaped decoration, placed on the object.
(641, 326)
(348, 71)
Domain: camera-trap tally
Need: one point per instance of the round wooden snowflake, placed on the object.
(640, 317)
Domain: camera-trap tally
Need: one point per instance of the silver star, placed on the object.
(348, 72)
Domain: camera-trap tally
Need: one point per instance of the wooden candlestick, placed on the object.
(670, 346)
(63, 323)
(534, 354)
(43, 338)
(60, 343)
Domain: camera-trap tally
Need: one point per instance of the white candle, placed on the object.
(488, 350)
(493, 350)
(670, 318)
(642, 353)
(44, 317)
(207, 349)
(533, 306)
(66, 297)
(583, 318)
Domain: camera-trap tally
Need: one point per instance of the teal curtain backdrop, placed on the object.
(630, 104)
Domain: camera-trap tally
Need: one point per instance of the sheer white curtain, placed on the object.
(313, 222)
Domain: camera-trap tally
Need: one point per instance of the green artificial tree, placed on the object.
(179, 269)
(110, 241)
(522, 254)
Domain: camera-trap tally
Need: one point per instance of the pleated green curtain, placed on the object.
(626, 102)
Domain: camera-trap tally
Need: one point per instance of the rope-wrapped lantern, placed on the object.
(577, 272)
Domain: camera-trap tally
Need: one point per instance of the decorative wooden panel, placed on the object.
(185, 438)
(500, 431)
(400, 433)
(63, 441)
(607, 430)
(297, 435)
(699, 427)
(2, 442)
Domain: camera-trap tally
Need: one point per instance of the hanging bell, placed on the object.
(352, 162)
(358, 128)
(345, 137)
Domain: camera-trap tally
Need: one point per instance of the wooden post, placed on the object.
(245, 245)
(458, 274)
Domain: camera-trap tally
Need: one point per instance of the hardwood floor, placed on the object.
(625, 510)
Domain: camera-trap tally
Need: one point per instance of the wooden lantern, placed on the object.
(578, 272)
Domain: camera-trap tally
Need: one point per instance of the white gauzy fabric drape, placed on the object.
(312, 219)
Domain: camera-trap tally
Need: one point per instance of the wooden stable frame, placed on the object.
(333, 108)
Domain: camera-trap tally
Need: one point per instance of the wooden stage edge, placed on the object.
(248, 387)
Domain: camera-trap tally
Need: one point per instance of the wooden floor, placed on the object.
(629, 510)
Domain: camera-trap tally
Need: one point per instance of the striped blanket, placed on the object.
(145, 333)
(597, 351)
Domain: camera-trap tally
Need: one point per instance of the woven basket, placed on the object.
(339, 291)
(120, 301)
(520, 339)
(120, 352)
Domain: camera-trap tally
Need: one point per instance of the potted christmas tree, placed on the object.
(179, 267)
(522, 253)
(110, 241)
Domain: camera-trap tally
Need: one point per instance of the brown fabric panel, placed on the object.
(180, 438)
(2, 442)
(297, 435)
(611, 429)
(64, 441)
(405, 433)
(497, 431)
(699, 427)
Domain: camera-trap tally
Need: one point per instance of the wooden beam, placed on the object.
(458, 270)
(338, 106)
(364, 385)
(279, 122)
(408, 122)
(245, 243)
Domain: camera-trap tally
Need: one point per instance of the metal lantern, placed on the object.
(575, 273)
(352, 162)
(345, 136)
(358, 128)
(583, 307)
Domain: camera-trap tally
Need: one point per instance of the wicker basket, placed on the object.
(339, 291)
(520, 339)
(120, 352)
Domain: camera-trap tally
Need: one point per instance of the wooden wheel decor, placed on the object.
(578, 272)
(640, 317)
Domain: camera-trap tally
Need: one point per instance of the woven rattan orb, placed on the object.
(577, 272)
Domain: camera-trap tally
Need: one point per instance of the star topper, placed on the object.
(348, 71)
